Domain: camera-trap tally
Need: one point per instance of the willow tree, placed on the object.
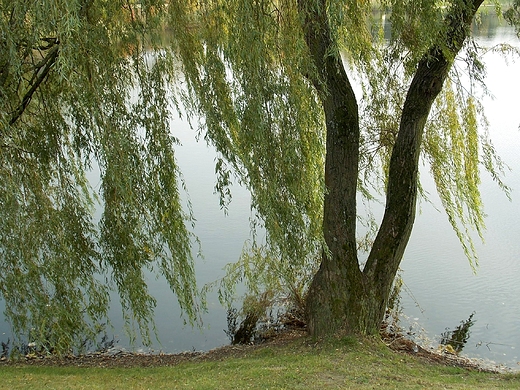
(90, 85)
(274, 82)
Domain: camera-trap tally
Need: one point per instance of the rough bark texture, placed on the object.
(341, 296)
(329, 292)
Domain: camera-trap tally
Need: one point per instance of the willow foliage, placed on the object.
(91, 84)
(69, 72)
(263, 79)
(262, 115)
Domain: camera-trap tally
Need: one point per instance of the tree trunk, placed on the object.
(329, 298)
(341, 296)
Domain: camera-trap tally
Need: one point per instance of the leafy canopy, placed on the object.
(90, 85)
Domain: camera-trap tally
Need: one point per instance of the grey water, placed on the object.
(440, 291)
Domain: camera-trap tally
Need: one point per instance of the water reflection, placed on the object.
(458, 337)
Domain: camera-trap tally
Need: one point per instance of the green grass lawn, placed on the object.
(335, 364)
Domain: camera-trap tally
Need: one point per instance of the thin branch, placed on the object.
(41, 73)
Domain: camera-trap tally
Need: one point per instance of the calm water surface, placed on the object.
(441, 289)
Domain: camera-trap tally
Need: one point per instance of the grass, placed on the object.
(334, 364)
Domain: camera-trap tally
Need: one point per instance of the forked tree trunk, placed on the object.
(341, 296)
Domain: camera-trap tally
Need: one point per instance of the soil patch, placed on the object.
(401, 344)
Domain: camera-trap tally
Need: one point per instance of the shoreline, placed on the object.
(127, 359)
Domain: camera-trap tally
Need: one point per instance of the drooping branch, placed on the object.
(40, 73)
(427, 83)
(512, 15)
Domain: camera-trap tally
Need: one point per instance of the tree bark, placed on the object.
(341, 296)
(339, 280)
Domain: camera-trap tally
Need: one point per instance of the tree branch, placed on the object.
(432, 70)
(342, 124)
(41, 72)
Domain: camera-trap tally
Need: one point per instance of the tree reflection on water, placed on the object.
(458, 337)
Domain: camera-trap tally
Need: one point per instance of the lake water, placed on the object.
(441, 289)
